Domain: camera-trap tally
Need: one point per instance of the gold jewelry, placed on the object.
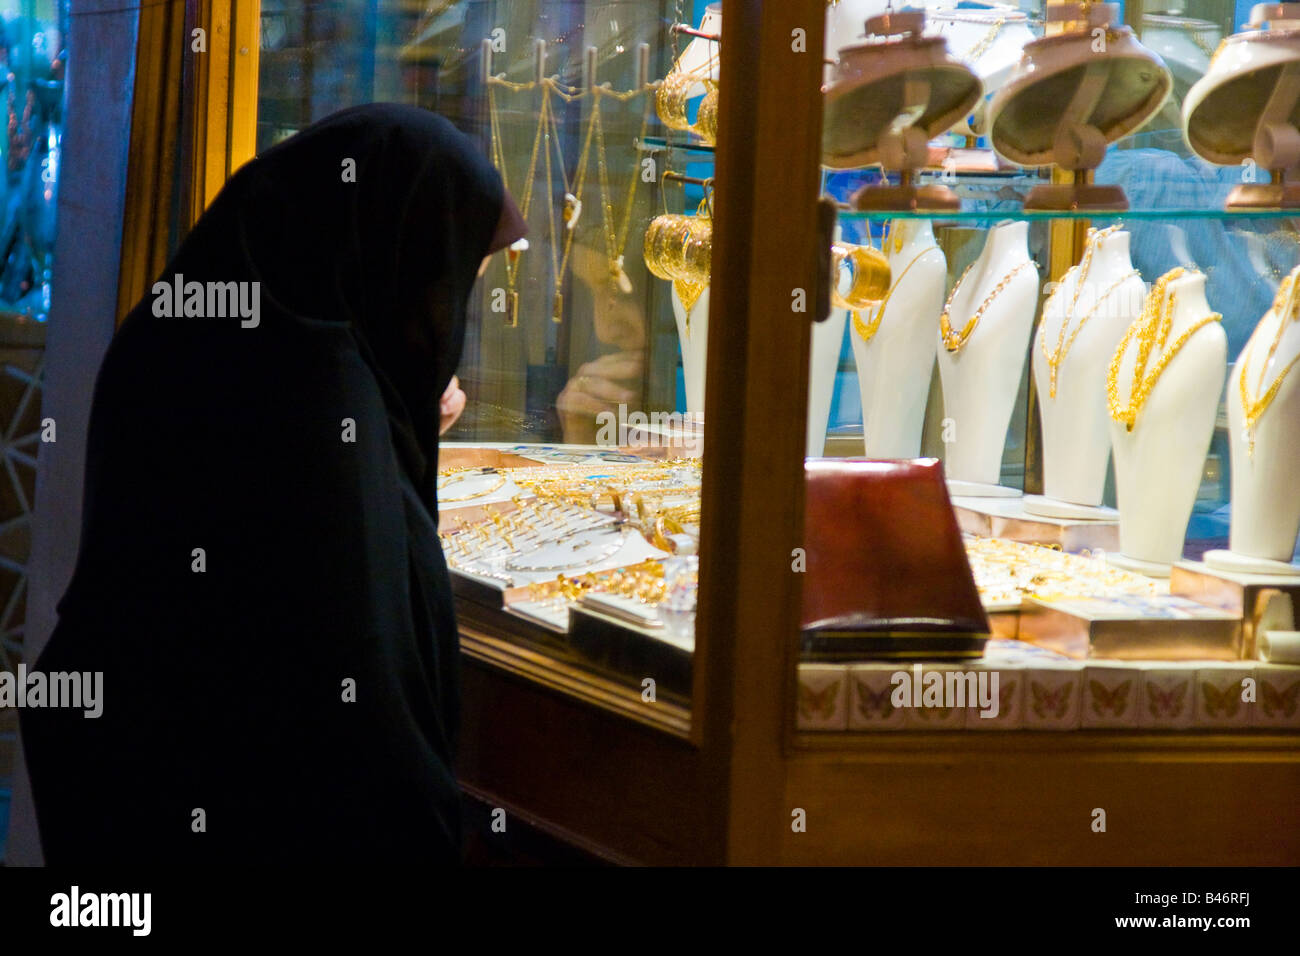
(979, 49)
(615, 234)
(868, 271)
(706, 120)
(514, 251)
(953, 341)
(670, 100)
(679, 248)
(1055, 359)
(456, 479)
(1152, 330)
(572, 201)
(1286, 307)
(867, 330)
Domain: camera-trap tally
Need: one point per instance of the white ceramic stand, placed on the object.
(895, 365)
(1158, 465)
(981, 379)
(700, 56)
(1095, 309)
(823, 363)
(1265, 483)
(694, 348)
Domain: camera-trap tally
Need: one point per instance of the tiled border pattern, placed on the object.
(1041, 690)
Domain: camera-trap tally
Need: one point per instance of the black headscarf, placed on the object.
(259, 578)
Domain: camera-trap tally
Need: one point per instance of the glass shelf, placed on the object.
(996, 215)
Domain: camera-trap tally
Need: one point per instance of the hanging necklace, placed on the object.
(616, 234)
(953, 340)
(1286, 307)
(499, 160)
(1152, 331)
(867, 330)
(1055, 359)
(572, 204)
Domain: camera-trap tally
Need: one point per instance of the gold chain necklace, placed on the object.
(1285, 308)
(499, 160)
(1152, 331)
(953, 340)
(616, 234)
(867, 330)
(572, 207)
(979, 49)
(1057, 358)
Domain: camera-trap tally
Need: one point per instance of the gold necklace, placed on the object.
(616, 234)
(572, 206)
(1083, 270)
(499, 160)
(1285, 308)
(867, 330)
(979, 49)
(500, 483)
(1152, 331)
(952, 340)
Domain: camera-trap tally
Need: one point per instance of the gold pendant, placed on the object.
(689, 293)
(557, 309)
(512, 310)
(572, 210)
(619, 275)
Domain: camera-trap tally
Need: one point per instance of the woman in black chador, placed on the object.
(260, 579)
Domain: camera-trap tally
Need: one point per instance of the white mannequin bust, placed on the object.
(694, 338)
(982, 375)
(1160, 460)
(896, 362)
(1266, 457)
(1083, 322)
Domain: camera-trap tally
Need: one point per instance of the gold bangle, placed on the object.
(671, 98)
(706, 120)
(869, 272)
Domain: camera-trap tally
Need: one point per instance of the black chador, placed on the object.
(259, 577)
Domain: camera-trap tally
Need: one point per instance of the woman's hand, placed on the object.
(451, 405)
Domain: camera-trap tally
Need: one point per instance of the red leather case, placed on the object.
(887, 573)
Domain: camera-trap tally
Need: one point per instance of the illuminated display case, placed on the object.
(699, 183)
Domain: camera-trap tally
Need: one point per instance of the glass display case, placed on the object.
(867, 233)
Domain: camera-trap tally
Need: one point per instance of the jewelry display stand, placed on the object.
(981, 355)
(893, 344)
(1083, 321)
(823, 362)
(693, 334)
(700, 56)
(1264, 436)
(1247, 107)
(1070, 97)
(889, 97)
(1185, 44)
(1160, 454)
(991, 42)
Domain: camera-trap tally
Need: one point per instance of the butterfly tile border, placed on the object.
(1052, 695)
